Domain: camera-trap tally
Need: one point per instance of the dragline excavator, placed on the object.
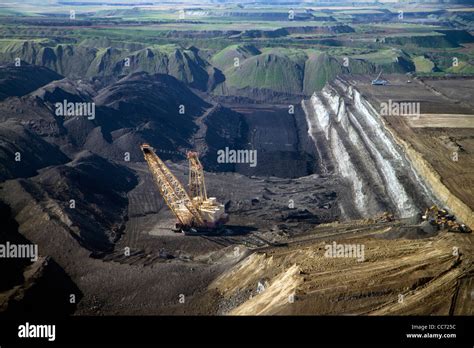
(194, 210)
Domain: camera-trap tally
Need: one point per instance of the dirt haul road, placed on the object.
(430, 276)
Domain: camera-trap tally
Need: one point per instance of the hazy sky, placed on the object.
(45, 2)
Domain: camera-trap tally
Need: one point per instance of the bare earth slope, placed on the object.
(431, 276)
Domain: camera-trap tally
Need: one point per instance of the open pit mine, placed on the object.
(373, 224)
(236, 161)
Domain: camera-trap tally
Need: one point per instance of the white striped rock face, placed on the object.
(364, 153)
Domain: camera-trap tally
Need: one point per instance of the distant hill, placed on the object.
(227, 57)
(293, 71)
(269, 70)
(81, 61)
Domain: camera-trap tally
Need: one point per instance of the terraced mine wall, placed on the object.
(433, 179)
(353, 141)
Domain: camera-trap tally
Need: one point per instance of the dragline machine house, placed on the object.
(193, 209)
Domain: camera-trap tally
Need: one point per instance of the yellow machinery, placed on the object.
(197, 186)
(442, 219)
(194, 210)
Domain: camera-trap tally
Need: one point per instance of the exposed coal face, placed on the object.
(88, 195)
(33, 288)
(46, 293)
(23, 153)
(139, 108)
(277, 134)
(11, 269)
(18, 81)
(221, 127)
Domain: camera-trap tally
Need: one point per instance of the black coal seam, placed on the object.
(325, 160)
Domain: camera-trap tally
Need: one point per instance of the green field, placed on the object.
(274, 52)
